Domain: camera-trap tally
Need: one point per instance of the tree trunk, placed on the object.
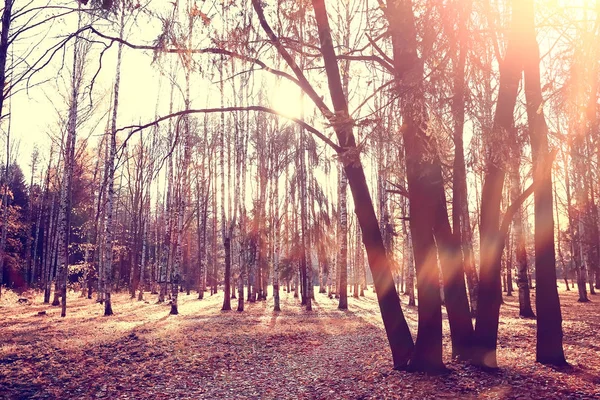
(64, 221)
(397, 330)
(549, 348)
(488, 313)
(275, 227)
(343, 242)
(461, 222)
(4, 44)
(426, 193)
(142, 263)
(525, 309)
(110, 179)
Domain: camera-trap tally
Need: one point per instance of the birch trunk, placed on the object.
(343, 241)
(110, 178)
(275, 225)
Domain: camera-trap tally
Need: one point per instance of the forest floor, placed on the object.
(143, 353)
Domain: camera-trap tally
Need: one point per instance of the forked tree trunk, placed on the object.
(428, 213)
(488, 313)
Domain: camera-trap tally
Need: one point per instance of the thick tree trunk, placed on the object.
(426, 193)
(427, 355)
(549, 348)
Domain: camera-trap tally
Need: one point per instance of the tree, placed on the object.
(396, 327)
(549, 322)
(525, 309)
(4, 43)
(499, 138)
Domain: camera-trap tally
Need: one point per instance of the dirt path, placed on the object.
(143, 353)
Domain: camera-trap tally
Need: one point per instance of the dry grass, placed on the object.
(142, 352)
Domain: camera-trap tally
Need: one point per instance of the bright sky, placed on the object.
(35, 112)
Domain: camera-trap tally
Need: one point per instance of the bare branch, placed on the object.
(514, 207)
(208, 50)
(302, 81)
(137, 128)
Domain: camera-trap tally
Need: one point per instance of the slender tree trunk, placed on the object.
(509, 267)
(461, 223)
(525, 309)
(110, 178)
(240, 196)
(343, 241)
(4, 44)
(38, 226)
(358, 265)
(574, 232)
(275, 225)
(29, 241)
(50, 248)
(142, 262)
(202, 218)
(69, 164)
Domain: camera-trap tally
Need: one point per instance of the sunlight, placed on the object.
(285, 99)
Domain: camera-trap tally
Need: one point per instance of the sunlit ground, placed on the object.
(142, 352)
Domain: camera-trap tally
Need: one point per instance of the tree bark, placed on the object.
(110, 178)
(549, 348)
(343, 242)
(488, 313)
(525, 309)
(397, 330)
(4, 44)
